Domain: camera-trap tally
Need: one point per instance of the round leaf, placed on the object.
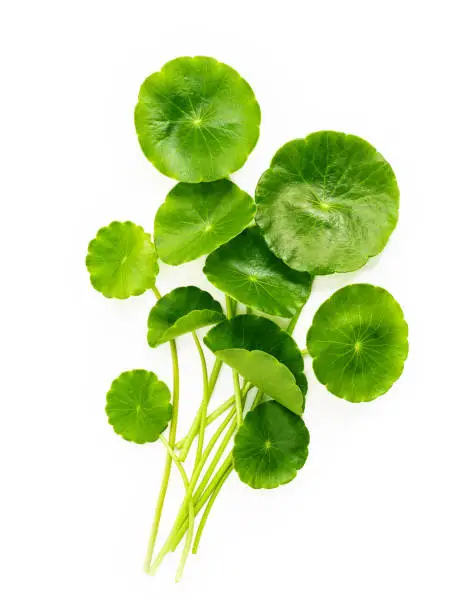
(196, 219)
(197, 119)
(270, 446)
(122, 260)
(138, 406)
(248, 271)
(359, 342)
(181, 311)
(264, 355)
(327, 203)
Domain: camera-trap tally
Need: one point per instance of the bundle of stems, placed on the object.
(212, 462)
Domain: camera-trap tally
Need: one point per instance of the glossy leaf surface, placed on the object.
(181, 311)
(196, 219)
(247, 270)
(359, 342)
(138, 406)
(327, 203)
(264, 355)
(270, 446)
(197, 119)
(122, 260)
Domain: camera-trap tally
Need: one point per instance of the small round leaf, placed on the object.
(196, 219)
(197, 119)
(327, 203)
(138, 406)
(122, 260)
(270, 446)
(359, 342)
(248, 271)
(181, 311)
(264, 355)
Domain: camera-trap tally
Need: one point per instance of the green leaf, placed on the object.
(196, 219)
(270, 446)
(197, 119)
(181, 311)
(122, 260)
(249, 272)
(359, 342)
(138, 406)
(264, 355)
(327, 203)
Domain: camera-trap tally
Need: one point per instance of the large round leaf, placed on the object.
(197, 119)
(264, 355)
(248, 271)
(327, 203)
(138, 406)
(122, 260)
(270, 446)
(181, 311)
(359, 342)
(196, 219)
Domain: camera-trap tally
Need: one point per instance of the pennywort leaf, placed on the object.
(359, 342)
(248, 271)
(197, 119)
(196, 219)
(327, 203)
(122, 260)
(263, 354)
(270, 446)
(181, 311)
(138, 406)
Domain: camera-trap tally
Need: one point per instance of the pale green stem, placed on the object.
(221, 449)
(168, 462)
(202, 427)
(187, 441)
(181, 514)
(210, 503)
(238, 396)
(186, 483)
(258, 398)
(293, 321)
(205, 399)
(304, 352)
(230, 310)
(177, 462)
(224, 471)
(212, 443)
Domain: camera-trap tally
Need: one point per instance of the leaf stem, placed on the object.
(187, 441)
(168, 545)
(205, 399)
(224, 471)
(210, 503)
(168, 462)
(230, 310)
(293, 321)
(186, 483)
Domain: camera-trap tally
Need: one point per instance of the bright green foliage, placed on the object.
(264, 355)
(327, 203)
(248, 271)
(196, 219)
(181, 311)
(359, 342)
(122, 260)
(197, 119)
(270, 446)
(138, 406)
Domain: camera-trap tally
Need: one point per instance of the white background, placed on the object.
(371, 523)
